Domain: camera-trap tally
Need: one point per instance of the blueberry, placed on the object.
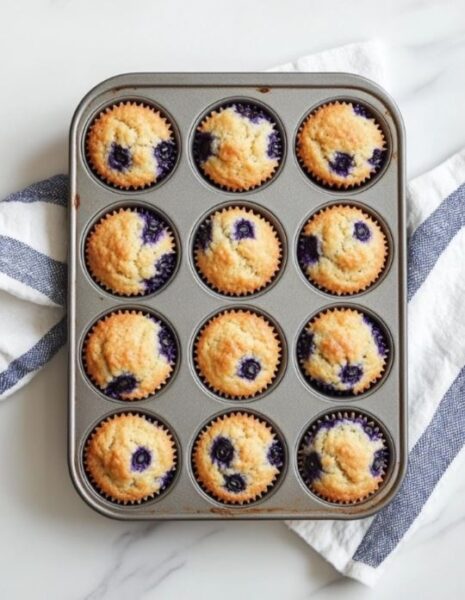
(361, 110)
(154, 227)
(378, 336)
(203, 237)
(305, 345)
(141, 459)
(203, 146)
(377, 158)
(244, 229)
(249, 368)
(222, 451)
(164, 268)
(165, 153)
(308, 250)
(167, 344)
(119, 158)
(275, 454)
(379, 461)
(234, 483)
(255, 114)
(311, 466)
(274, 145)
(342, 163)
(351, 374)
(122, 384)
(167, 479)
(361, 231)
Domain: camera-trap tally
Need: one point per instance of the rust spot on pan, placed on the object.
(264, 90)
(77, 201)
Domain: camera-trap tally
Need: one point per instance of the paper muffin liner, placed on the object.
(257, 497)
(95, 168)
(370, 426)
(327, 389)
(140, 210)
(172, 366)
(276, 372)
(338, 185)
(239, 189)
(267, 283)
(363, 288)
(172, 474)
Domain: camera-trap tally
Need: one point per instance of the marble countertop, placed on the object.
(52, 545)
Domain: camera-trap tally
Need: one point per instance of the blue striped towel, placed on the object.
(32, 296)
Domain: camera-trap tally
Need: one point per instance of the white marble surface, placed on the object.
(52, 51)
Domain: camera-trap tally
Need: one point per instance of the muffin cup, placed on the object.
(276, 373)
(139, 210)
(94, 168)
(173, 473)
(155, 318)
(217, 290)
(257, 497)
(370, 426)
(340, 186)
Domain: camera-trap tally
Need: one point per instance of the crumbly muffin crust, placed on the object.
(237, 353)
(131, 252)
(131, 145)
(130, 458)
(129, 355)
(342, 351)
(238, 147)
(343, 458)
(237, 458)
(340, 144)
(237, 251)
(342, 250)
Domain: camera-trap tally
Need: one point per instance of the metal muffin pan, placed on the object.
(290, 197)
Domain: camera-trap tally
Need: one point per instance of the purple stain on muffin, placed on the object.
(361, 111)
(379, 463)
(165, 153)
(154, 227)
(167, 479)
(222, 451)
(308, 250)
(351, 374)
(274, 148)
(244, 229)
(203, 237)
(141, 459)
(305, 345)
(121, 385)
(234, 483)
(275, 454)
(361, 231)
(342, 163)
(164, 269)
(119, 157)
(378, 336)
(203, 146)
(167, 344)
(311, 467)
(249, 368)
(377, 159)
(252, 112)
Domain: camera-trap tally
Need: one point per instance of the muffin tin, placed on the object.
(289, 198)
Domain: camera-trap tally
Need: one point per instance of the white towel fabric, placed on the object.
(32, 294)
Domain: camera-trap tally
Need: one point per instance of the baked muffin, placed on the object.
(342, 351)
(129, 355)
(342, 250)
(238, 147)
(130, 458)
(237, 251)
(341, 145)
(343, 458)
(237, 354)
(237, 458)
(131, 252)
(131, 146)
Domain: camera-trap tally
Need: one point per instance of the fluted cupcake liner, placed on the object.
(338, 185)
(370, 426)
(138, 210)
(160, 386)
(276, 371)
(256, 497)
(148, 498)
(197, 251)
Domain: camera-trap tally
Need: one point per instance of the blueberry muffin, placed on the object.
(237, 251)
(131, 252)
(131, 145)
(237, 458)
(238, 147)
(237, 354)
(130, 458)
(342, 351)
(342, 250)
(343, 458)
(129, 355)
(341, 145)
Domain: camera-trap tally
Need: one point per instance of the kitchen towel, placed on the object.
(32, 295)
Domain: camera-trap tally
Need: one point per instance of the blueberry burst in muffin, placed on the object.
(131, 145)
(129, 355)
(131, 252)
(341, 145)
(238, 147)
(237, 354)
(342, 250)
(342, 352)
(130, 458)
(343, 458)
(237, 458)
(236, 251)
